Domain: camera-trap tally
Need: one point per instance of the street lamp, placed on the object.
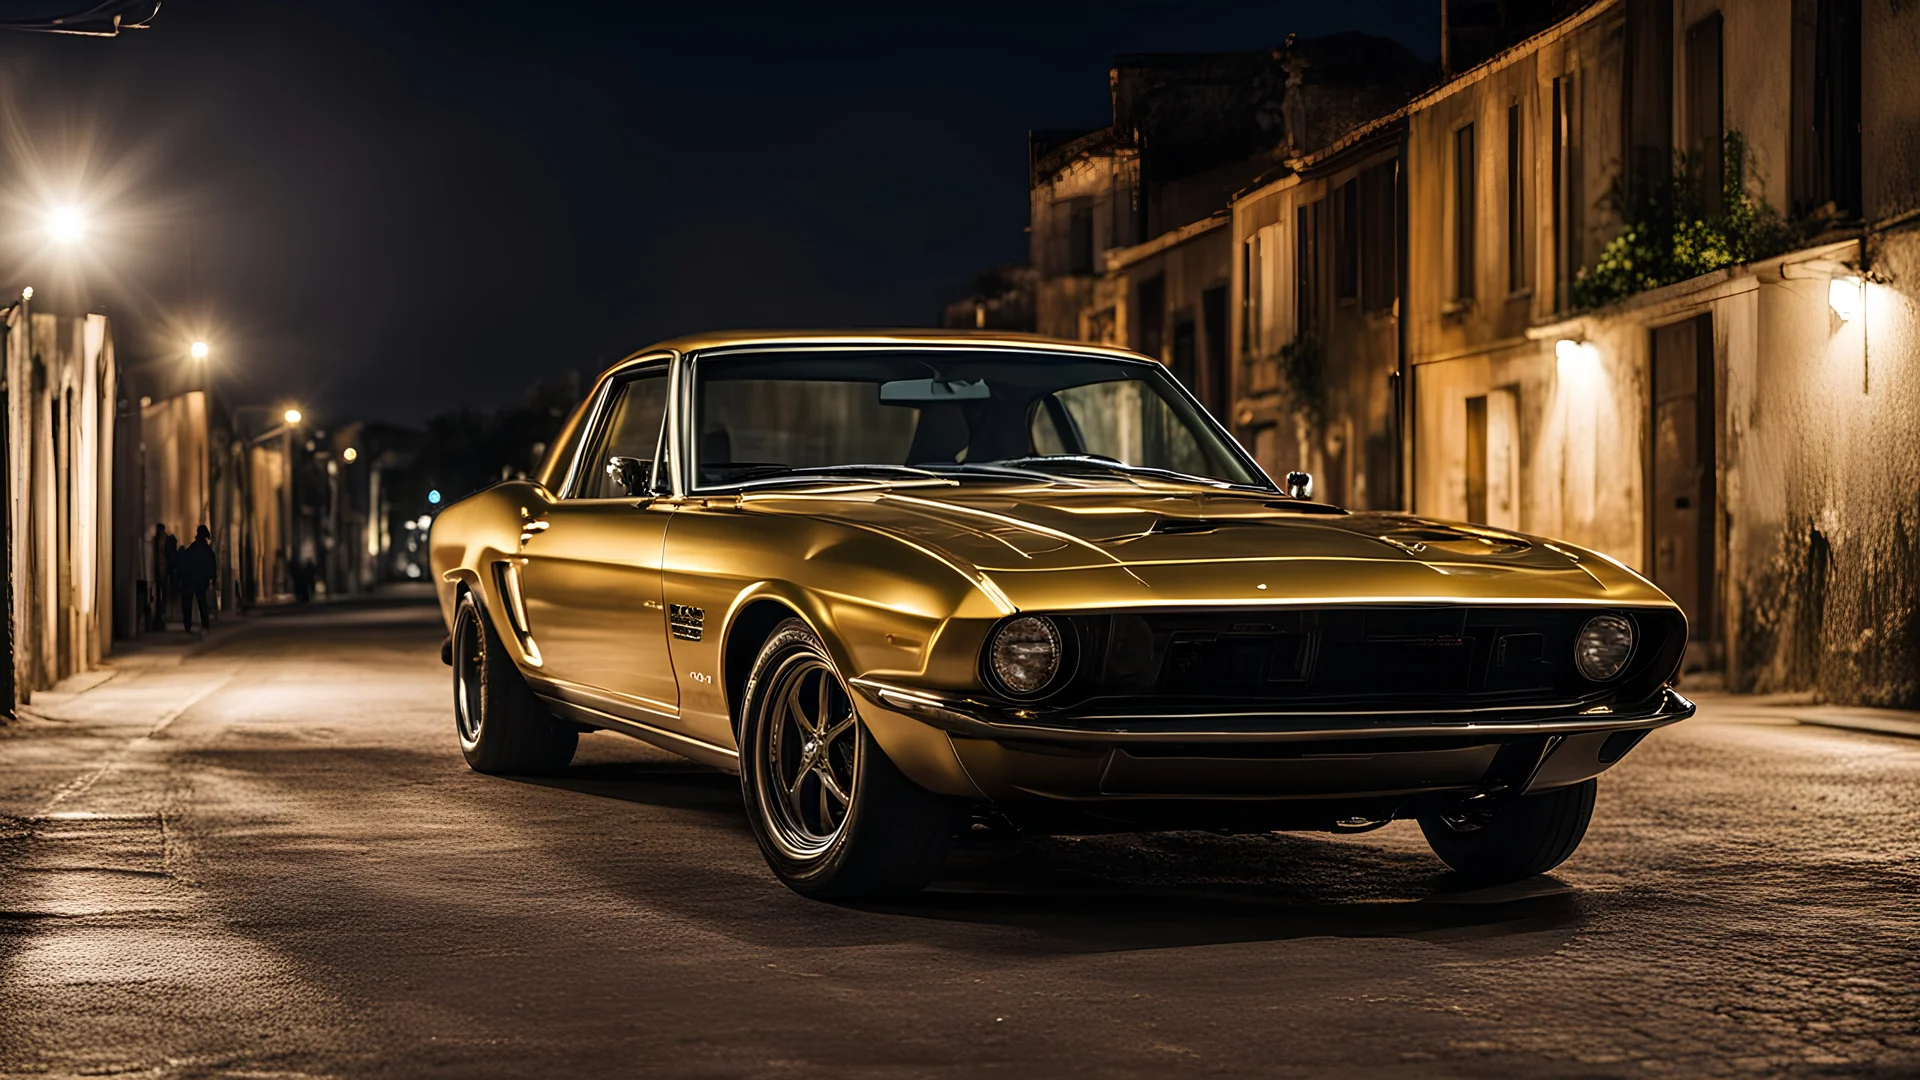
(66, 224)
(292, 416)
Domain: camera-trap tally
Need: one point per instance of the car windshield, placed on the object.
(906, 414)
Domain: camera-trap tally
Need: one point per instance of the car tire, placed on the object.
(502, 726)
(1527, 836)
(833, 816)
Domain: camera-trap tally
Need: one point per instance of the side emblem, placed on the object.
(687, 622)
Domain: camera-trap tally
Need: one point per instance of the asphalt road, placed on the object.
(268, 859)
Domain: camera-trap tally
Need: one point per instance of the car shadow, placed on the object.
(1167, 890)
(676, 785)
(1137, 891)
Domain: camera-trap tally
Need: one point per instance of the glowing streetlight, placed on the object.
(292, 416)
(349, 455)
(199, 350)
(67, 224)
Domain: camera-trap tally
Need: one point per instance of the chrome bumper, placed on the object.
(974, 718)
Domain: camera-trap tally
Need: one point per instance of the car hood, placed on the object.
(1057, 547)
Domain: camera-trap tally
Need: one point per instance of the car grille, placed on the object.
(1386, 656)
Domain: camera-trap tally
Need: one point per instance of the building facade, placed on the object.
(61, 390)
(1131, 231)
(1655, 296)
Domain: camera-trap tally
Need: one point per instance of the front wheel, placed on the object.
(502, 726)
(1526, 836)
(834, 817)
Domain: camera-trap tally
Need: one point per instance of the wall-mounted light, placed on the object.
(199, 350)
(1846, 296)
(1576, 358)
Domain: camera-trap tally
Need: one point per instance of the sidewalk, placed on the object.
(1800, 708)
(158, 649)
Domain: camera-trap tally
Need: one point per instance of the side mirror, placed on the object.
(631, 474)
(1300, 484)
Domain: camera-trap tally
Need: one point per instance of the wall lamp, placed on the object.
(1846, 295)
(1576, 354)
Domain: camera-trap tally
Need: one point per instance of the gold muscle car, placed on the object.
(913, 583)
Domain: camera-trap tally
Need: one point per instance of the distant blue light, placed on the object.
(434, 496)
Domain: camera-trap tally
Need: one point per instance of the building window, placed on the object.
(1252, 296)
(1080, 236)
(1150, 300)
(1214, 379)
(1186, 352)
(1557, 134)
(1705, 109)
(1826, 106)
(1464, 190)
(1379, 247)
(1306, 269)
(1516, 205)
(1493, 461)
(1346, 243)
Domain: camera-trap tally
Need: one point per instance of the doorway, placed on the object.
(1682, 489)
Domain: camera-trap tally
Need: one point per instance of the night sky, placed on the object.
(386, 210)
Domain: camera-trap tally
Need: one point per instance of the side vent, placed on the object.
(688, 623)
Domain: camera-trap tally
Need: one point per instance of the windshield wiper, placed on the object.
(1115, 465)
(875, 471)
(1002, 469)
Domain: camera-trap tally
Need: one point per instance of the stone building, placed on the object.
(1129, 232)
(61, 390)
(1657, 298)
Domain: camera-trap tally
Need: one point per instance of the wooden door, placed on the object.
(1682, 488)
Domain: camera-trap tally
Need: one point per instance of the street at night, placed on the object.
(261, 855)
(1123, 539)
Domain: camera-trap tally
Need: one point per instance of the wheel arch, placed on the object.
(748, 628)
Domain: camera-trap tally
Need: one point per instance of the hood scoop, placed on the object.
(1180, 526)
(1444, 539)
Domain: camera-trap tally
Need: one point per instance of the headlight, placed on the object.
(1603, 647)
(1025, 654)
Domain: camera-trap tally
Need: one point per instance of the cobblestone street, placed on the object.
(264, 856)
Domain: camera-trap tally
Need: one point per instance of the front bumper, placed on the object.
(975, 718)
(1148, 766)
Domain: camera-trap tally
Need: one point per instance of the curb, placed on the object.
(1877, 721)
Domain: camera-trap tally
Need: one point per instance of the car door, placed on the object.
(590, 570)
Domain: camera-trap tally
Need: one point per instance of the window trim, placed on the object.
(596, 419)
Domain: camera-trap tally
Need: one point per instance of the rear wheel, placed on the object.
(502, 726)
(1526, 836)
(834, 817)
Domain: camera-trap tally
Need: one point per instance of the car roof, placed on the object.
(919, 338)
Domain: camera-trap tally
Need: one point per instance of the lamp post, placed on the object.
(287, 429)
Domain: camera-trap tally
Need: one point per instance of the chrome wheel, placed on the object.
(469, 662)
(809, 759)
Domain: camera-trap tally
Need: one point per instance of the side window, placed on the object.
(630, 428)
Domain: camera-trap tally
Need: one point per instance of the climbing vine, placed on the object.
(1304, 366)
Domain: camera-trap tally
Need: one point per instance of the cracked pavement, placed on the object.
(266, 858)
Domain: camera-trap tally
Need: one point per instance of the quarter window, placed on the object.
(629, 428)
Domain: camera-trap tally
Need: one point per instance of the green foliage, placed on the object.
(1670, 236)
(1304, 366)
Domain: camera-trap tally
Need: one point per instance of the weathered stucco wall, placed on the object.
(1823, 437)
